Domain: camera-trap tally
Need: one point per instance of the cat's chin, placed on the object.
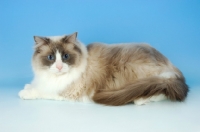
(59, 73)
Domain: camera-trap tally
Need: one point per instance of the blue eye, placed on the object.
(66, 56)
(50, 57)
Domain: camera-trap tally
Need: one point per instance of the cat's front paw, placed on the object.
(28, 93)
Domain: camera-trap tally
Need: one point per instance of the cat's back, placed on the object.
(115, 56)
(120, 47)
(122, 51)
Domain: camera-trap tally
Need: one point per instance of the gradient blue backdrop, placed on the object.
(171, 26)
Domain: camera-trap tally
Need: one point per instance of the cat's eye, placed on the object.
(50, 57)
(65, 56)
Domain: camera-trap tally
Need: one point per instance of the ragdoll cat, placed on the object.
(117, 74)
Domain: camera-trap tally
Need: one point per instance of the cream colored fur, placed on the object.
(102, 67)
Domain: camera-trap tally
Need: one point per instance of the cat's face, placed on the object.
(57, 54)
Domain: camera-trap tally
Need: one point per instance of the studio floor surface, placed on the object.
(18, 115)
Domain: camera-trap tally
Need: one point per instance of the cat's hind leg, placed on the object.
(159, 97)
(141, 101)
(155, 98)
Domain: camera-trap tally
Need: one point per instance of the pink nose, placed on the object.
(59, 67)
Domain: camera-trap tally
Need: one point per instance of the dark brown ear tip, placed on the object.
(39, 39)
(34, 37)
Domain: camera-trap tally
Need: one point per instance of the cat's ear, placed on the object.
(41, 40)
(70, 38)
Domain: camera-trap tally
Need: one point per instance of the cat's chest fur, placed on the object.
(48, 83)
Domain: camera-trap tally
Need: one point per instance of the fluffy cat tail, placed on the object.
(174, 89)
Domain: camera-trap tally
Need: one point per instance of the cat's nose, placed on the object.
(59, 67)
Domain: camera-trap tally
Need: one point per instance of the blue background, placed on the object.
(171, 26)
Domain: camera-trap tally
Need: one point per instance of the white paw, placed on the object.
(28, 93)
(155, 98)
(159, 97)
(141, 101)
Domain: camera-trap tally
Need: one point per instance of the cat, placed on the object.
(109, 74)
